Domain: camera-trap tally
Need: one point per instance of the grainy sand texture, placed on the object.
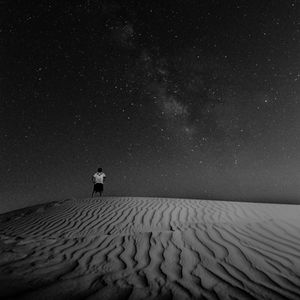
(150, 248)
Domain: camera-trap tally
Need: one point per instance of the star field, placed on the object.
(172, 98)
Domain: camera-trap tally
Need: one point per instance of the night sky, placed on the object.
(194, 99)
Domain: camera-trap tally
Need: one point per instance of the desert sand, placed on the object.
(150, 248)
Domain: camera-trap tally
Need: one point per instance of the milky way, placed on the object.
(172, 98)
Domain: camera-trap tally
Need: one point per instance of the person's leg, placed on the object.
(100, 189)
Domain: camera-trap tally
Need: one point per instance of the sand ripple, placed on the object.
(150, 248)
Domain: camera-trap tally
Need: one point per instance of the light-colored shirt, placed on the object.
(99, 177)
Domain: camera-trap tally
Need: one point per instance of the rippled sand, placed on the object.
(150, 248)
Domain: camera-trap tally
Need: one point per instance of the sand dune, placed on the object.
(150, 248)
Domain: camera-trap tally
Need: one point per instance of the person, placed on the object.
(98, 180)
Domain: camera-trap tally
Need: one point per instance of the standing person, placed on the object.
(98, 180)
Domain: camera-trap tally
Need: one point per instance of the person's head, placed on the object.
(99, 169)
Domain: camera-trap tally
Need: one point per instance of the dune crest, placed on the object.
(150, 248)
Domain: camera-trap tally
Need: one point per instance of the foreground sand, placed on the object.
(150, 248)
